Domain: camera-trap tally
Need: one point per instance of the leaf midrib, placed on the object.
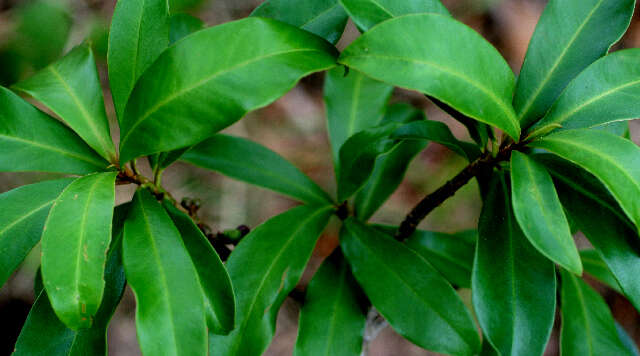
(334, 308)
(534, 96)
(320, 14)
(583, 307)
(25, 216)
(202, 82)
(53, 148)
(264, 278)
(490, 94)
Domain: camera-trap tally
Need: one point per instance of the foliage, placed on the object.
(561, 166)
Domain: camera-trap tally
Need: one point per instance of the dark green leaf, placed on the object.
(231, 75)
(354, 103)
(181, 25)
(368, 13)
(24, 211)
(71, 88)
(358, 157)
(514, 286)
(325, 18)
(597, 268)
(389, 169)
(616, 242)
(44, 334)
(183, 5)
(627, 341)
(587, 325)
(412, 295)
(451, 254)
(601, 94)
(33, 141)
(613, 159)
(264, 268)
(248, 161)
(75, 239)
(332, 320)
(539, 213)
(443, 58)
(170, 315)
(581, 32)
(219, 299)
(437, 132)
(139, 33)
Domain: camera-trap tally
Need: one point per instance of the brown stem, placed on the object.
(435, 199)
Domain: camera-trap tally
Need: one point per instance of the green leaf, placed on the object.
(597, 268)
(613, 159)
(582, 31)
(368, 13)
(139, 33)
(600, 94)
(627, 341)
(219, 299)
(587, 325)
(443, 58)
(332, 319)
(71, 88)
(44, 334)
(437, 132)
(514, 286)
(264, 268)
(34, 141)
(408, 291)
(170, 314)
(539, 213)
(388, 173)
(75, 239)
(231, 75)
(325, 18)
(248, 161)
(358, 157)
(184, 5)
(354, 103)
(181, 25)
(451, 254)
(24, 211)
(614, 239)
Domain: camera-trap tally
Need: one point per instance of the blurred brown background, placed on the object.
(34, 33)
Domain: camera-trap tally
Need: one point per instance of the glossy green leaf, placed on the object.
(514, 286)
(437, 132)
(616, 241)
(613, 159)
(408, 291)
(443, 58)
(595, 266)
(354, 103)
(601, 94)
(181, 25)
(264, 268)
(44, 334)
(74, 244)
(332, 319)
(582, 31)
(219, 300)
(358, 157)
(170, 314)
(325, 18)
(24, 211)
(198, 96)
(368, 13)
(388, 173)
(71, 88)
(587, 325)
(248, 161)
(139, 33)
(389, 169)
(451, 254)
(539, 213)
(627, 341)
(33, 141)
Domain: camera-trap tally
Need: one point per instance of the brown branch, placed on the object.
(435, 199)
